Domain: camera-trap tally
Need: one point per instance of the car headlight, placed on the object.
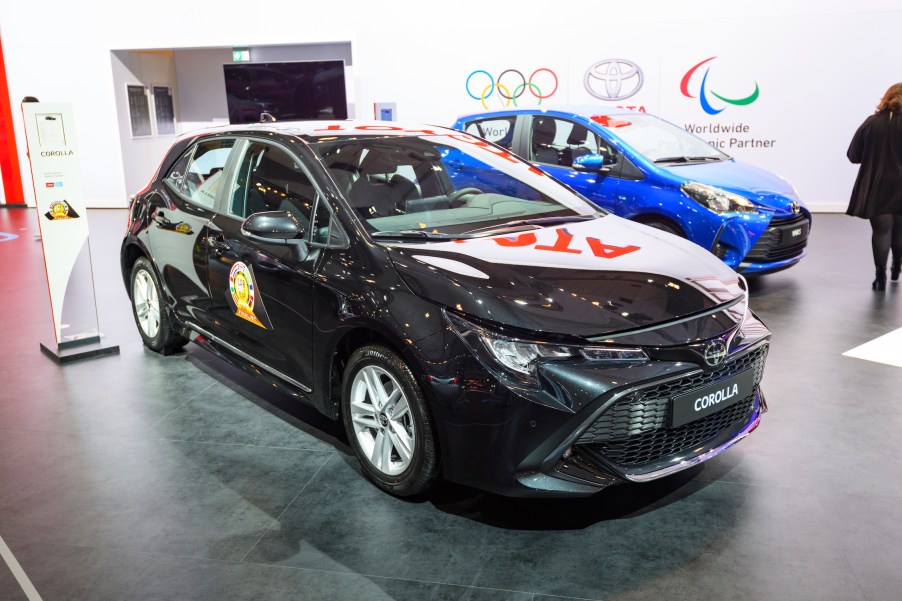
(516, 359)
(719, 201)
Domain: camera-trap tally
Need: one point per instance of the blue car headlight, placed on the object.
(717, 200)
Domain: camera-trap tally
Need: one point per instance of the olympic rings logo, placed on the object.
(511, 90)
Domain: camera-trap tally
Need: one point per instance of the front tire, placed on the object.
(151, 317)
(388, 422)
(664, 225)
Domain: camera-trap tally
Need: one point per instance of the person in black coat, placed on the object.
(877, 194)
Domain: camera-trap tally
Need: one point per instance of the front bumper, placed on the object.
(615, 431)
(781, 245)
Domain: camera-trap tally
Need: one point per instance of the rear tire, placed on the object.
(388, 423)
(151, 317)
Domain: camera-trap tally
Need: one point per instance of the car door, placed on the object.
(464, 173)
(262, 290)
(181, 210)
(554, 143)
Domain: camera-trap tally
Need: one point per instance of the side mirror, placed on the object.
(272, 225)
(592, 162)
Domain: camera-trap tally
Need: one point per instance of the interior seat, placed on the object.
(576, 143)
(544, 130)
(402, 190)
(373, 197)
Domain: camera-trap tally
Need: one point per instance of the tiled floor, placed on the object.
(148, 477)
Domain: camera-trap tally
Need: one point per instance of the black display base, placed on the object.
(79, 350)
(14, 205)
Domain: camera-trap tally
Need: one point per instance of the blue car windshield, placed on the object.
(659, 141)
(444, 185)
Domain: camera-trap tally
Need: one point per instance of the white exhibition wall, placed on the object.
(820, 67)
(196, 79)
(140, 155)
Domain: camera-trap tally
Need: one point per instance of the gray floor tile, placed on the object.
(231, 414)
(173, 497)
(87, 574)
(10, 590)
(615, 543)
(868, 529)
(119, 396)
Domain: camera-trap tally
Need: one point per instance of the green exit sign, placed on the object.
(241, 55)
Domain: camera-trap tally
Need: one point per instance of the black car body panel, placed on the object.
(562, 302)
(318, 298)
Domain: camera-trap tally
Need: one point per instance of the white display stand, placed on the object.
(56, 174)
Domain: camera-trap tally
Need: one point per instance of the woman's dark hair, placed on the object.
(892, 100)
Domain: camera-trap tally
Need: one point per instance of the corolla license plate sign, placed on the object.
(712, 398)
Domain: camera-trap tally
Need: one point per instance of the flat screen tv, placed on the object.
(287, 90)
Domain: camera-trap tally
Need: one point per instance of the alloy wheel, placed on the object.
(147, 303)
(382, 420)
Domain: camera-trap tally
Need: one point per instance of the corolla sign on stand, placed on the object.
(56, 173)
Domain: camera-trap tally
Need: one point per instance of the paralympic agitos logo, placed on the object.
(704, 91)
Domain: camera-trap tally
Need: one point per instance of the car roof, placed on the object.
(313, 131)
(569, 110)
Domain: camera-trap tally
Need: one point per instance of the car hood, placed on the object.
(584, 279)
(758, 185)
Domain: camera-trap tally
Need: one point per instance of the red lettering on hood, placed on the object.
(521, 240)
(607, 251)
(563, 242)
(562, 245)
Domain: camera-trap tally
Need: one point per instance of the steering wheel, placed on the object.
(455, 196)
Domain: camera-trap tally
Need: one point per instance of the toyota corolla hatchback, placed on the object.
(640, 167)
(462, 313)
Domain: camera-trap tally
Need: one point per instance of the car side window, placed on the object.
(325, 230)
(196, 176)
(268, 178)
(497, 130)
(556, 141)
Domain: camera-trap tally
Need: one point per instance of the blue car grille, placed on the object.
(778, 243)
(634, 431)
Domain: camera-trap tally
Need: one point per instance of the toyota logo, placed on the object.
(715, 353)
(613, 79)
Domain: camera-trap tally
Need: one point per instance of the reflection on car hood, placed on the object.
(584, 279)
(759, 185)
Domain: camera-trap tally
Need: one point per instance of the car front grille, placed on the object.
(635, 432)
(778, 243)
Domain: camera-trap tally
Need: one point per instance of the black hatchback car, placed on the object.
(464, 314)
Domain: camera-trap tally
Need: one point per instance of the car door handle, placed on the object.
(217, 245)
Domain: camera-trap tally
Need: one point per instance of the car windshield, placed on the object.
(659, 141)
(448, 185)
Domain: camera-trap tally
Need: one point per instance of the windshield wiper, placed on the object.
(687, 159)
(401, 234)
(537, 222)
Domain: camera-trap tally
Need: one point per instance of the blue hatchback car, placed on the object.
(638, 166)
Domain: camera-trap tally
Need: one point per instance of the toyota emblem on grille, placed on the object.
(715, 353)
(796, 208)
(613, 79)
